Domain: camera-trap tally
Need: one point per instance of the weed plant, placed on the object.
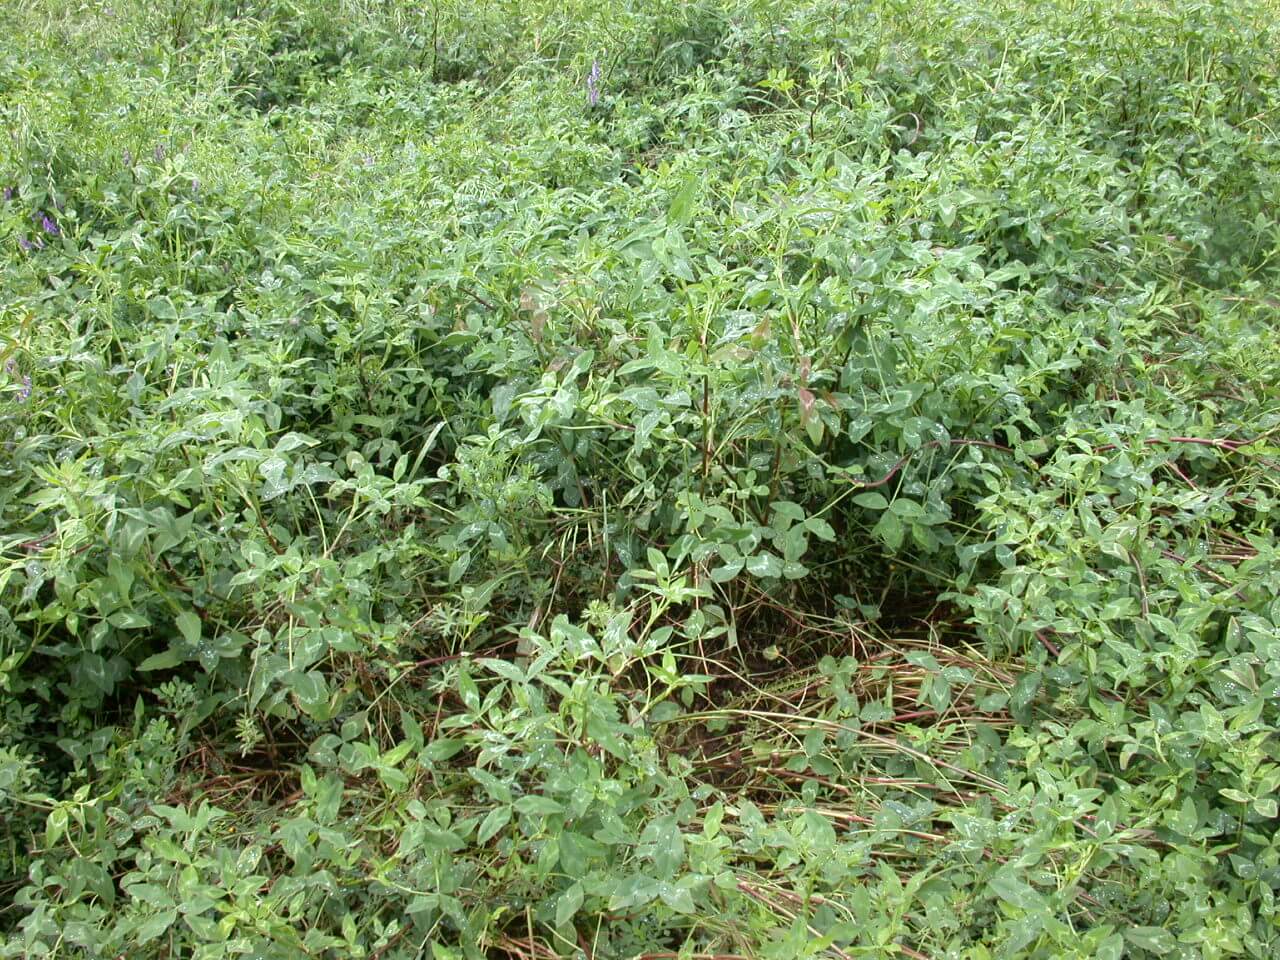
(639, 480)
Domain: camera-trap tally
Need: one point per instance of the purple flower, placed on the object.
(593, 84)
(8, 194)
(34, 244)
(11, 368)
(49, 226)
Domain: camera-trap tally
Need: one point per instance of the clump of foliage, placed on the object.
(640, 480)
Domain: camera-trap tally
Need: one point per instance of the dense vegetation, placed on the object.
(530, 479)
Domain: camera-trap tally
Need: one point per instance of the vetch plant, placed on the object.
(593, 84)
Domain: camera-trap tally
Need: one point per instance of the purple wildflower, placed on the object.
(8, 194)
(35, 243)
(25, 393)
(593, 84)
(49, 226)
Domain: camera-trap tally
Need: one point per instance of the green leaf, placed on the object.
(677, 896)
(503, 668)
(819, 831)
(55, 826)
(727, 571)
(1025, 689)
(663, 843)
(162, 308)
(497, 789)
(906, 509)
(820, 529)
(569, 903)
(293, 441)
(577, 852)
(657, 563)
(459, 567)
(889, 529)
(189, 624)
(789, 511)
(494, 821)
(712, 820)
(155, 926)
(309, 688)
(165, 660)
(275, 483)
(537, 805)
(813, 427)
(764, 564)
(129, 620)
(682, 204)
(1008, 887)
(794, 570)
(122, 575)
(634, 891)
(468, 690)
(441, 749)
(1152, 939)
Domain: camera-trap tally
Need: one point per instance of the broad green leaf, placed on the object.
(495, 820)
(189, 625)
(569, 903)
(165, 660)
(441, 749)
(889, 529)
(764, 564)
(678, 897)
(309, 688)
(906, 509)
(538, 805)
(1155, 940)
(663, 843)
(155, 925)
(1006, 885)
